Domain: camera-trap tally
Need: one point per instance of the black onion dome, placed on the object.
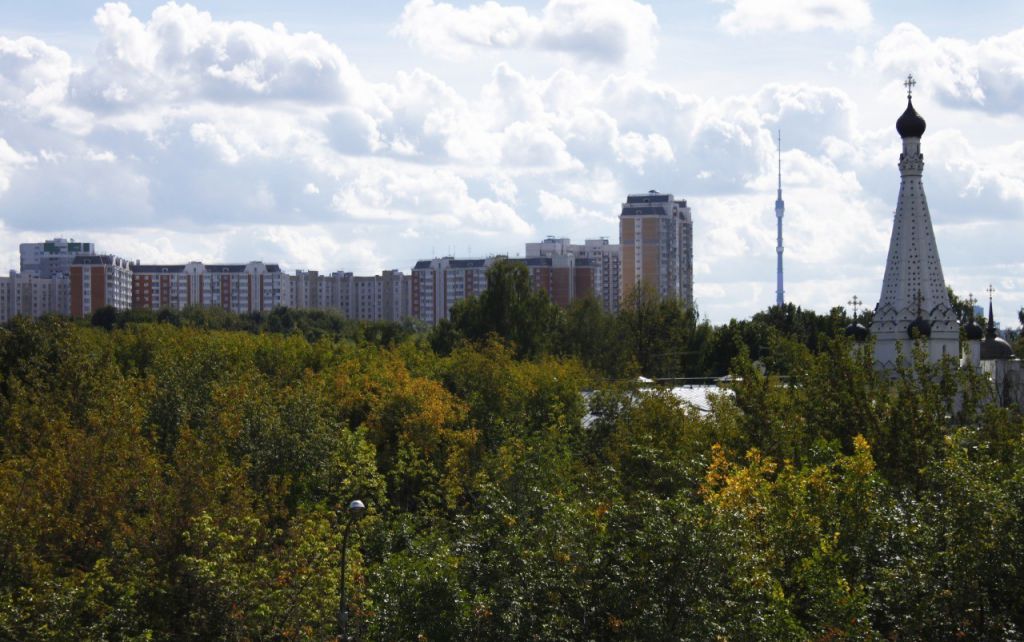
(857, 331)
(910, 124)
(974, 331)
(922, 328)
(995, 348)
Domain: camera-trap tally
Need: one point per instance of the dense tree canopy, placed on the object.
(180, 478)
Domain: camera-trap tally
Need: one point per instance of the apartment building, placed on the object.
(155, 287)
(236, 287)
(656, 239)
(98, 281)
(383, 297)
(52, 257)
(33, 296)
(44, 284)
(438, 284)
(563, 277)
(244, 287)
(311, 290)
(597, 259)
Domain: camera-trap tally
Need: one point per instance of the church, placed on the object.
(914, 304)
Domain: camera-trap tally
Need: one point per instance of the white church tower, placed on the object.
(914, 300)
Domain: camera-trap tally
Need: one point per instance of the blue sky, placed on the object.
(362, 136)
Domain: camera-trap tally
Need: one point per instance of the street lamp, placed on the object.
(356, 509)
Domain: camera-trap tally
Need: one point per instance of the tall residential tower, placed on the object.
(656, 241)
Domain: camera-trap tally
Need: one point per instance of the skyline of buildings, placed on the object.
(69, 277)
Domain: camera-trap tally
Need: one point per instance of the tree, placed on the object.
(509, 308)
(104, 317)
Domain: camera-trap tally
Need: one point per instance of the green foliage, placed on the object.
(509, 308)
(181, 478)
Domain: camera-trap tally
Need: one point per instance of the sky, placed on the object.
(364, 136)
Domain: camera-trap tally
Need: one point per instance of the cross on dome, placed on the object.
(909, 83)
(855, 302)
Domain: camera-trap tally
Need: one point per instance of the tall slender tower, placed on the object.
(914, 302)
(780, 210)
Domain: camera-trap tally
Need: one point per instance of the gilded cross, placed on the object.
(991, 290)
(909, 84)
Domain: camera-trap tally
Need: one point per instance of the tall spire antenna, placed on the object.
(780, 161)
(780, 210)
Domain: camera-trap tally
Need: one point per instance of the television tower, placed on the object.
(780, 210)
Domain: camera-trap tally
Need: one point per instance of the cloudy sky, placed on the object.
(360, 136)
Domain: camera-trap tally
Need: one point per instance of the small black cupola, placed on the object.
(857, 331)
(973, 331)
(910, 124)
(919, 327)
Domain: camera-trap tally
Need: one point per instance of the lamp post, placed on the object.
(356, 509)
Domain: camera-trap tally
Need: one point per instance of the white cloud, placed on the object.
(99, 156)
(34, 81)
(986, 75)
(963, 180)
(607, 31)
(806, 114)
(637, 150)
(533, 146)
(182, 53)
(747, 16)
(603, 31)
(444, 30)
(207, 134)
(553, 207)
(32, 72)
(10, 160)
(425, 197)
(226, 140)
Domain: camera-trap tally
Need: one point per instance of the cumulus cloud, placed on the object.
(807, 115)
(34, 81)
(636, 150)
(986, 75)
(553, 207)
(425, 197)
(182, 53)
(10, 160)
(224, 140)
(962, 180)
(444, 30)
(602, 31)
(747, 16)
(32, 73)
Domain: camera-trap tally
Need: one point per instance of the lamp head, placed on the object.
(356, 509)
